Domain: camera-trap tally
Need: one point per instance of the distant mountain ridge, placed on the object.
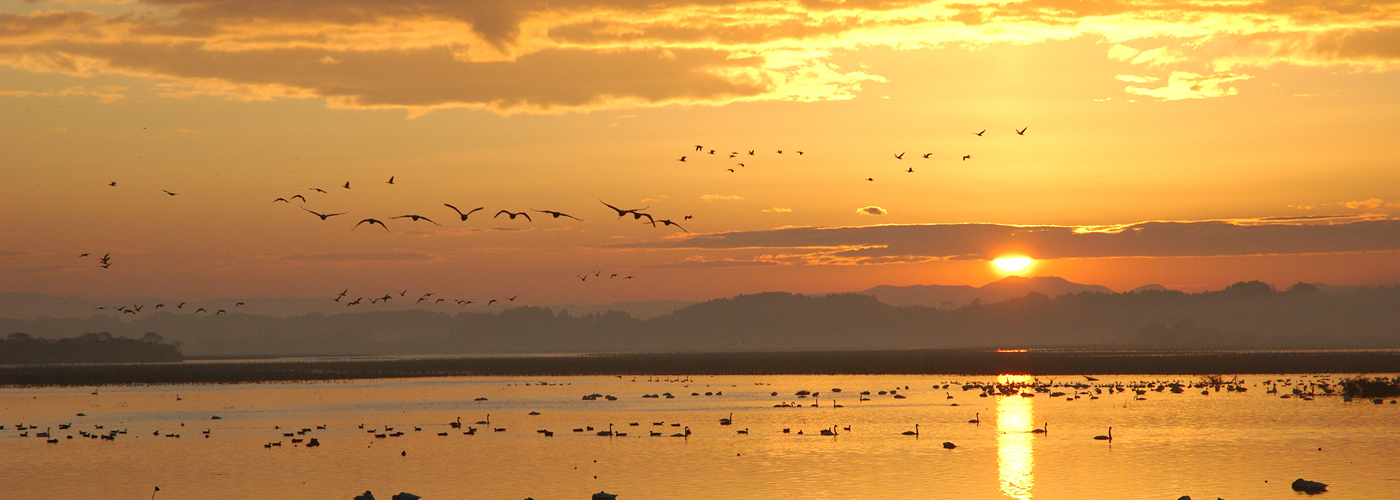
(948, 297)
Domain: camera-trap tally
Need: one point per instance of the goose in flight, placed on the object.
(899, 156)
(750, 152)
(699, 147)
(371, 222)
(347, 185)
(926, 155)
(168, 192)
(492, 301)
(682, 159)
(416, 218)
(512, 299)
(514, 214)
(730, 170)
(327, 216)
(557, 214)
(303, 198)
(669, 223)
(463, 215)
(638, 216)
(871, 179)
(911, 170)
(621, 212)
(800, 153)
(391, 180)
(283, 200)
(201, 310)
(967, 157)
(318, 190)
(583, 277)
(979, 134)
(1022, 131)
(113, 184)
(688, 217)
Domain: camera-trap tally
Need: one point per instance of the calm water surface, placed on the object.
(1222, 445)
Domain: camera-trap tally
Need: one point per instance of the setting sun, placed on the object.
(1012, 263)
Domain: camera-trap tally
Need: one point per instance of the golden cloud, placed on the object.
(552, 56)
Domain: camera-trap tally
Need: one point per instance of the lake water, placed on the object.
(1222, 445)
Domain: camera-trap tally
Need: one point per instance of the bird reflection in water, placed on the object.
(1015, 444)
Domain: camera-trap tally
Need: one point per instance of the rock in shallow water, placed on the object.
(1310, 487)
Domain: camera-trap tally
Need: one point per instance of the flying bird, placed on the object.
(83, 255)
(493, 301)
(669, 223)
(326, 216)
(899, 156)
(699, 147)
(967, 157)
(871, 179)
(800, 153)
(513, 215)
(583, 277)
(391, 180)
(911, 170)
(319, 190)
(303, 198)
(780, 151)
(1022, 131)
(512, 299)
(371, 222)
(168, 192)
(415, 218)
(638, 216)
(201, 310)
(926, 155)
(113, 184)
(682, 159)
(459, 212)
(979, 134)
(741, 165)
(240, 304)
(557, 214)
(712, 151)
(283, 200)
(347, 185)
(688, 217)
(730, 170)
(221, 311)
(750, 152)
(621, 212)
(180, 305)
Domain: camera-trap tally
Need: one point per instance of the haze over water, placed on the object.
(1225, 444)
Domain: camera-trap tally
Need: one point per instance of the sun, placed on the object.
(1012, 264)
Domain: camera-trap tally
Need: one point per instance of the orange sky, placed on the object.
(1186, 143)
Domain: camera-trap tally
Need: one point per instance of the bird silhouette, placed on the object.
(492, 301)
(327, 216)
(303, 198)
(682, 159)
(371, 222)
(699, 147)
(712, 151)
(597, 273)
(319, 190)
(283, 200)
(557, 214)
(221, 311)
(899, 156)
(926, 155)
(180, 305)
(979, 134)
(621, 212)
(113, 183)
(911, 170)
(750, 152)
(415, 218)
(347, 185)
(201, 310)
(730, 170)
(1022, 131)
(83, 255)
(688, 217)
(669, 223)
(780, 151)
(512, 299)
(463, 215)
(871, 179)
(391, 180)
(168, 192)
(638, 216)
(967, 157)
(581, 277)
(240, 304)
(513, 215)
(741, 165)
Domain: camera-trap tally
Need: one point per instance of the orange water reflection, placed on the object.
(1015, 446)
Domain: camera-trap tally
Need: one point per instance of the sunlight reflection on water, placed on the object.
(1015, 446)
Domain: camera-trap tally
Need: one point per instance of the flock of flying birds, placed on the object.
(637, 214)
(427, 297)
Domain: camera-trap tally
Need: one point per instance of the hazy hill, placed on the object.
(947, 297)
(1247, 315)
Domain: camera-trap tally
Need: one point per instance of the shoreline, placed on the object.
(901, 362)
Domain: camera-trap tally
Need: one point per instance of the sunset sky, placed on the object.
(1191, 144)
